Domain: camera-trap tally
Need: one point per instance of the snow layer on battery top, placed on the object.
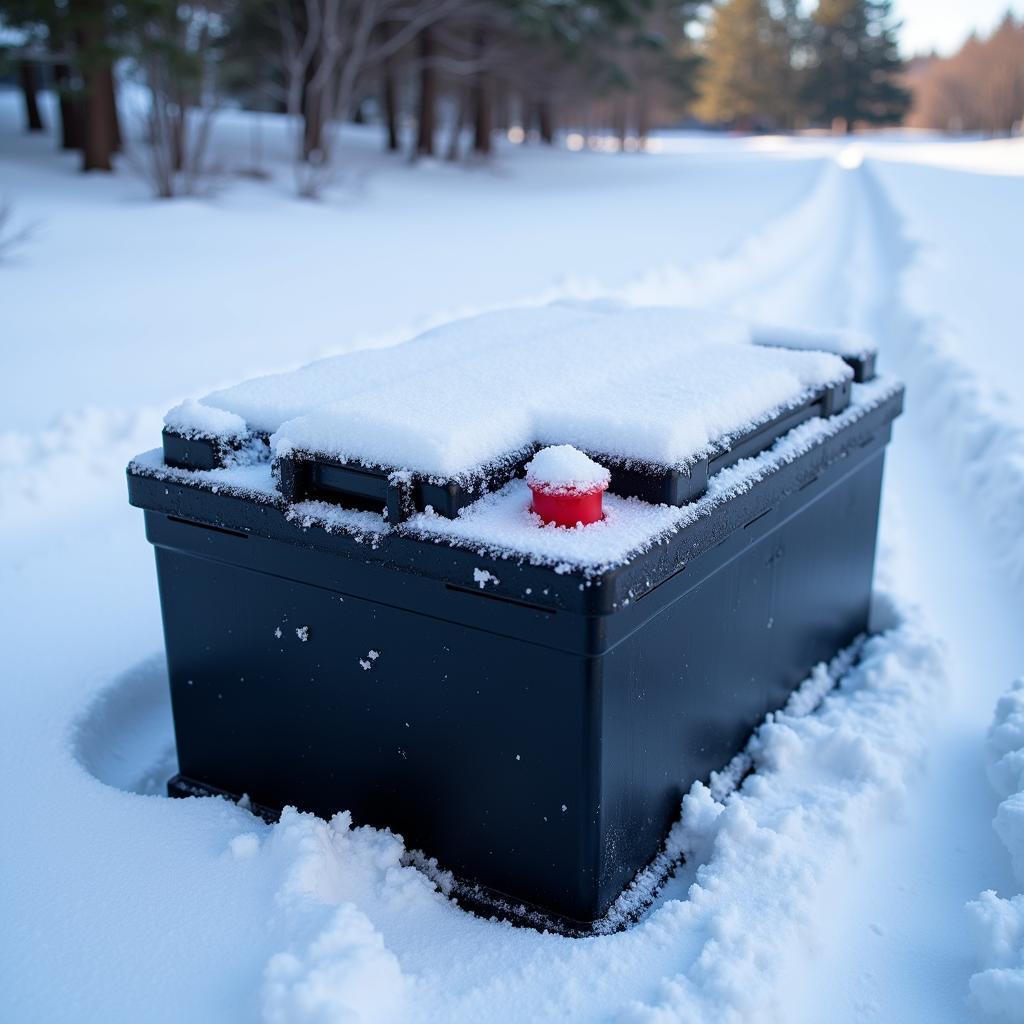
(265, 403)
(501, 522)
(653, 385)
(841, 342)
(195, 418)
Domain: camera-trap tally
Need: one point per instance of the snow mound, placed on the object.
(338, 967)
(345, 974)
(562, 469)
(998, 924)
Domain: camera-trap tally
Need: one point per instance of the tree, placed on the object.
(77, 36)
(179, 53)
(748, 78)
(95, 56)
(855, 67)
(28, 20)
(27, 77)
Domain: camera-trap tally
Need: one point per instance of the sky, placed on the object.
(944, 24)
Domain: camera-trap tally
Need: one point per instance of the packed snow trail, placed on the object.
(900, 948)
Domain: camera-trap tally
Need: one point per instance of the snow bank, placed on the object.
(768, 277)
(963, 343)
(998, 924)
(361, 934)
(984, 449)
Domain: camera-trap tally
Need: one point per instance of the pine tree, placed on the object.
(748, 77)
(855, 65)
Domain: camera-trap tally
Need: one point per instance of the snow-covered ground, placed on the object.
(847, 880)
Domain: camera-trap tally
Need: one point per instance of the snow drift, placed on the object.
(998, 924)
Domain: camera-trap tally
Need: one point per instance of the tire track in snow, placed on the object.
(900, 950)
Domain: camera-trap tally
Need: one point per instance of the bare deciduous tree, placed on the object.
(178, 55)
(327, 45)
(980, 88)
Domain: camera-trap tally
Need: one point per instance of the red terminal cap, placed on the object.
(568, 508)
(567, 486)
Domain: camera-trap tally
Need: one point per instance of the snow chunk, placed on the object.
(345, 974)
(302, 633)
(192, 418)
(562, 469)
(483, 577)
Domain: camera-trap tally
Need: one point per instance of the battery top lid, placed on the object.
(656, 385)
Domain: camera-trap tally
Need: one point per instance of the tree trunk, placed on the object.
(70, 107)
(389, 92)
(312, 113)
(29, 81)
(619, 121)
(390, 106)
(97, 131)
(500, 105)
(428, 96)
(110, 94)
(483, 109)
(545, 122)
(178, 137)
(482, 118)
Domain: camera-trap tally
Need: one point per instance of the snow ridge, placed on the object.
(998, 924)
(985, 451)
